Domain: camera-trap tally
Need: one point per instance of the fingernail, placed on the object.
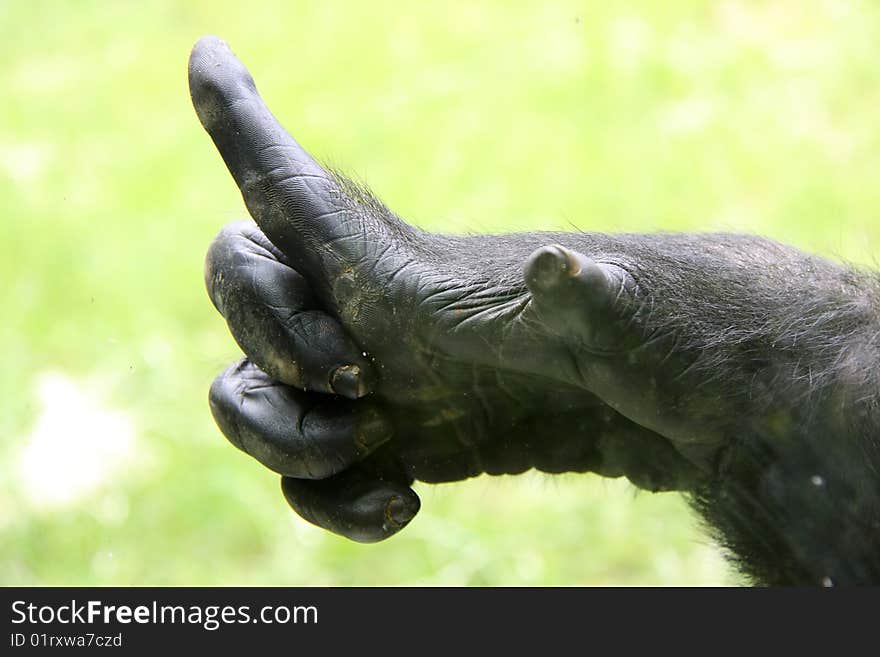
(372, 430)
(550, 265)
(398, 512)
(348, 382)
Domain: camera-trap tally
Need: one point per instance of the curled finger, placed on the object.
(295, 433)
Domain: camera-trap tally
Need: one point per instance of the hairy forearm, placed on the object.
(762, 324)
(771, 358)
(802, 506)
(788, 344)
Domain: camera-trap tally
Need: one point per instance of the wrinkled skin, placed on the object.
(378, 354)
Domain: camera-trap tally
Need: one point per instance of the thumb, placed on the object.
(580, 298)
(300, 207)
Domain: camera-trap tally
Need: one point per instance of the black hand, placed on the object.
(453, 433)
(436, 313)
(757, 363)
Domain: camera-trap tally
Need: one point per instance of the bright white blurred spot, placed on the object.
(687, 115)
(23, 162)
(76, 445)
(630, 40)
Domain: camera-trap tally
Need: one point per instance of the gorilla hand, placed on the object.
(443, 421)
(711, 363)
(467, 375)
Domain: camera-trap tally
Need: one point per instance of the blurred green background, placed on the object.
(464, 116)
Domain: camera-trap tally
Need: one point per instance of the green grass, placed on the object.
(685, 115)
